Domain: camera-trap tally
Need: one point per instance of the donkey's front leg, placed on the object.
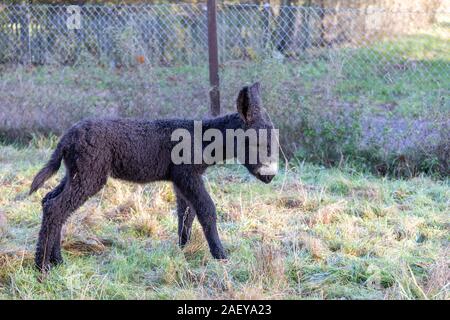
(194, 191)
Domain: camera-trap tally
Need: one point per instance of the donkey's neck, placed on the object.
(232, 122)
(229, 121)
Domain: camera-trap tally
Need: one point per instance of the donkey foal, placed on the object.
(138, 151)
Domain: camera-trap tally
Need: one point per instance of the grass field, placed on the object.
(313, 233)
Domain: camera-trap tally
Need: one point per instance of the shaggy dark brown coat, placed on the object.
(137, 151)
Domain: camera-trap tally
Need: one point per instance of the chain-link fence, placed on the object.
(163, 34)
(369, 83)
(176, 34)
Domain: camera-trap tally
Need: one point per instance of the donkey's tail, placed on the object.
(50, 169)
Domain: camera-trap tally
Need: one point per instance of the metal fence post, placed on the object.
(213, 58)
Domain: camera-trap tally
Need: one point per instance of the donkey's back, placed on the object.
(129, 149)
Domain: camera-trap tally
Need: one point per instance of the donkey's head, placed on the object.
(260, 153)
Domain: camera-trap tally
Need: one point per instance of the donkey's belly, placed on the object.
(140, 171)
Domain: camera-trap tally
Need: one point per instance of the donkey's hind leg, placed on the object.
(56, 211)
(186, 216)
(55, 254)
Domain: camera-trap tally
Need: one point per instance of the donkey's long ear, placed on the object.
(249, 102)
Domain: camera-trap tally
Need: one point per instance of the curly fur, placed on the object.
(137, 151)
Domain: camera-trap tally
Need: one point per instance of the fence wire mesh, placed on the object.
(176, 34)
(371, 83)
(163, 34)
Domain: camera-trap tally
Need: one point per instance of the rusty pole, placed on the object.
(214, 93)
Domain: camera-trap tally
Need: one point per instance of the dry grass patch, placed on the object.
(368, 193)
(245, 292)
(146, 225)
(437, 285)
(122, 212)
(197, 245)
(328, 213)
(3, 224)
(233, 212)
(290, 202)
(269, 267)
(301, 199)
(314, 245)
(79, 233)
(85, 245)
(84, 222)
(12, 260)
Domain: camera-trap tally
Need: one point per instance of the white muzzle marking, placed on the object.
(269, 169)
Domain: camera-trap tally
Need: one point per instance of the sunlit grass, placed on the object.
(312, 233)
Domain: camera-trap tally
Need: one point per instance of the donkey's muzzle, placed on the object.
(265, 178)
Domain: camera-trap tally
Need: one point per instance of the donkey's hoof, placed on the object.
(219, 255)
(43, 267)
(54, 261)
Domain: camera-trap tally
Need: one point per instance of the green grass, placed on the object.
(409, 74)
(313, 233)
